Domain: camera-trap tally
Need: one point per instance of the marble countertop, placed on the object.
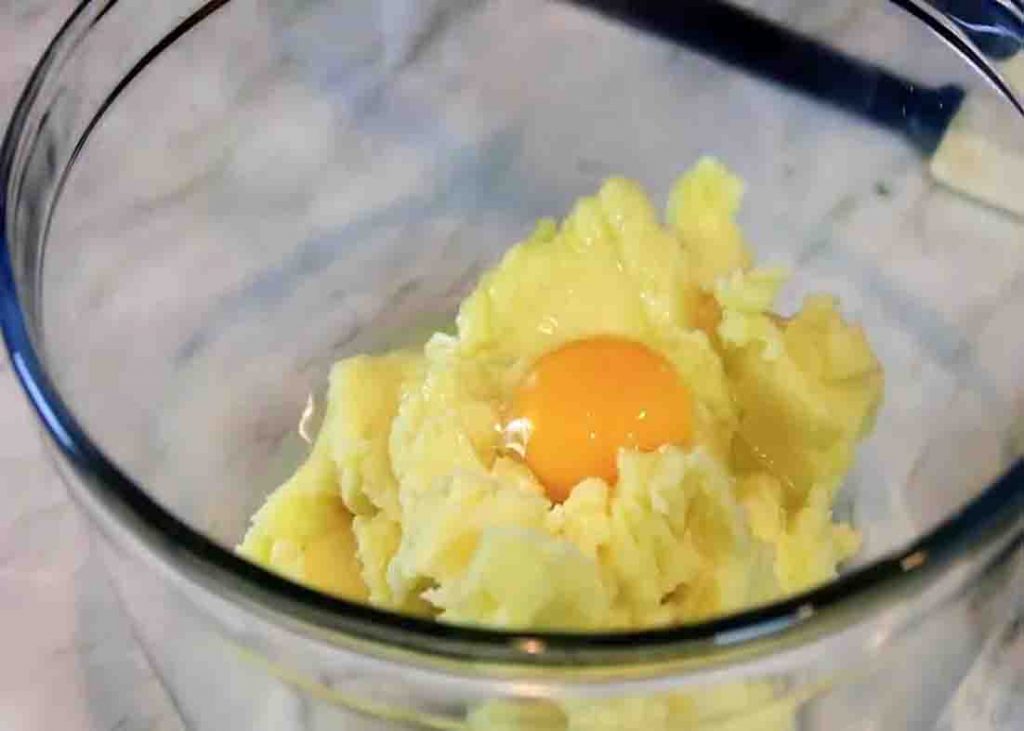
(70, 660)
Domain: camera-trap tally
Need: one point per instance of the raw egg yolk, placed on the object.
(582, 403)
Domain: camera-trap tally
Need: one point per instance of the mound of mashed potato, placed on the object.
(409, 500)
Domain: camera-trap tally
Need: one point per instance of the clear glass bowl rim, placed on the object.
(991, 518)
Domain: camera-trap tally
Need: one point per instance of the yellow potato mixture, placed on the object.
(415, 498)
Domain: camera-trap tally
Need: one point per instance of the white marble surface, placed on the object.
(69, 659)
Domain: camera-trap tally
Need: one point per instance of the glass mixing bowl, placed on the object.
(205, 204)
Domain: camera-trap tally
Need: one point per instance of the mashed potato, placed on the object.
(413, 499)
